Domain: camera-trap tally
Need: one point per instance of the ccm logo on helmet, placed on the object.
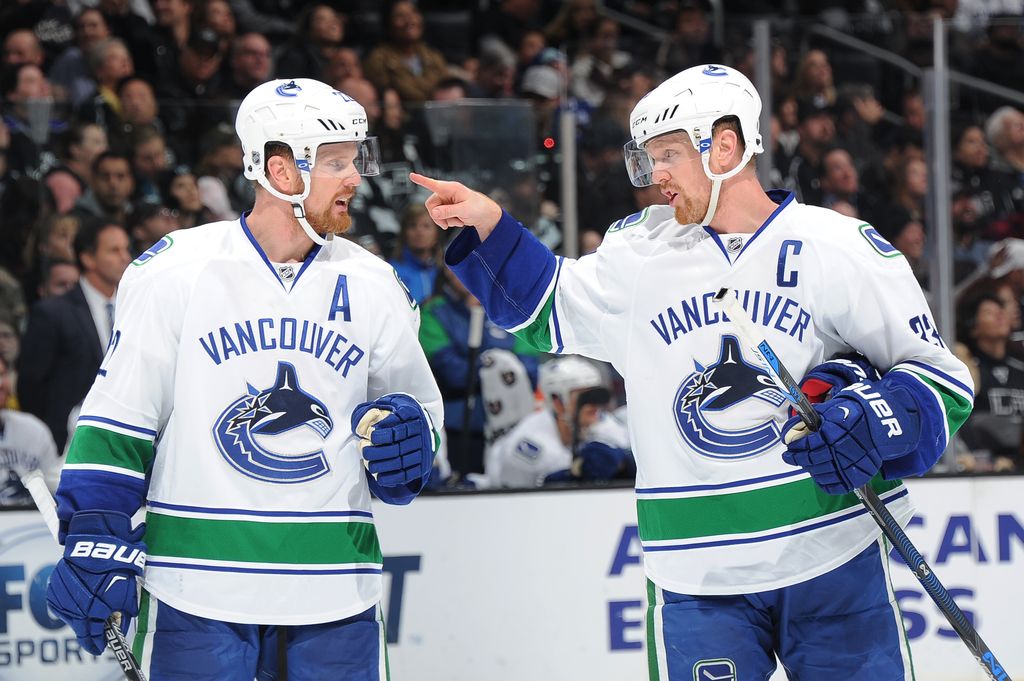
(881, 408)
(106, 551)
(712, 70)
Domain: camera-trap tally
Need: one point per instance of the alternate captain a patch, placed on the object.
(710, 411)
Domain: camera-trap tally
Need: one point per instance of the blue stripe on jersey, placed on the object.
(559, 345)
(255, 244)
(854, 513)
(724, 485)
(781, 197)
(714, 236)
(263, 571)
(120, 424)
(943, 375)
(509, 273)
(267, 514)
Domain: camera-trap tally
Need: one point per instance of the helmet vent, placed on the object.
(666, 114)
(330, 125)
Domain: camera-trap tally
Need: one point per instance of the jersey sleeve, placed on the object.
(398, 365)
(112, 448)
(888, 321)
(554, 304)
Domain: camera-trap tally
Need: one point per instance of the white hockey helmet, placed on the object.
(301, 113)
(692, 101)
(561, 376)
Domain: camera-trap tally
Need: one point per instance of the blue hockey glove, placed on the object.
(864, 425)
(842, 371)
(103, 556)
(599, 461)
(397, 439)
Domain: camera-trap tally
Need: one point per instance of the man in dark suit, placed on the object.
(63, 344)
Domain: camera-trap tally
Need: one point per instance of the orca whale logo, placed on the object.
(259, 415)
(714, 390)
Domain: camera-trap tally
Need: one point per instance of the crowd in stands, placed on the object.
(117, 128)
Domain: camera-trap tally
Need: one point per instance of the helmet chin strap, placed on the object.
(297, 202)
(717, 179)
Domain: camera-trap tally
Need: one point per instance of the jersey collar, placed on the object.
(273, 270)
(779, 196)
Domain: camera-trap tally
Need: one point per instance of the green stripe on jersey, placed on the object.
(91, 445)
(538, 334)
(141, 626)
(652, 639)
(754, 510)
(956, 406)
(250, 541)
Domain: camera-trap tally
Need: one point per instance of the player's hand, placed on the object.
(862, 426)
(453, 204)
(842, 371)
(396, 439)
(103, 557)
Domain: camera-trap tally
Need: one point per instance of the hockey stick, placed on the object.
(36, 486)
(890, 528)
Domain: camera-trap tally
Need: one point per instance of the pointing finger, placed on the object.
(427, 182)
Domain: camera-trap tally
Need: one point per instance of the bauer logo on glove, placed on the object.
(881, 408)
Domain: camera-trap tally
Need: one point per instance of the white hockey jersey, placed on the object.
(534, 449)
(719, 512)
(228, 387)
(26, 445)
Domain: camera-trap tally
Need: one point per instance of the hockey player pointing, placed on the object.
(262, 379)
(751, 548)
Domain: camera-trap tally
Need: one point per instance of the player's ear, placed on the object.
(283, 175)
(725, 150)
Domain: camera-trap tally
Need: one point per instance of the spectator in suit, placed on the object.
(59, 277)
(64, 340)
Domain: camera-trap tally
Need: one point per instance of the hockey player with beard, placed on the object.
(263, 378)
(753, 544)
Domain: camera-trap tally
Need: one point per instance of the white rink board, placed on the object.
(521, 586)
(547, 586)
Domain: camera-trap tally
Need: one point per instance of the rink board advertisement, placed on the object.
(549, 586)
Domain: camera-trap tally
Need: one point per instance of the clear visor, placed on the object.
(367, 161)
(639, 164)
